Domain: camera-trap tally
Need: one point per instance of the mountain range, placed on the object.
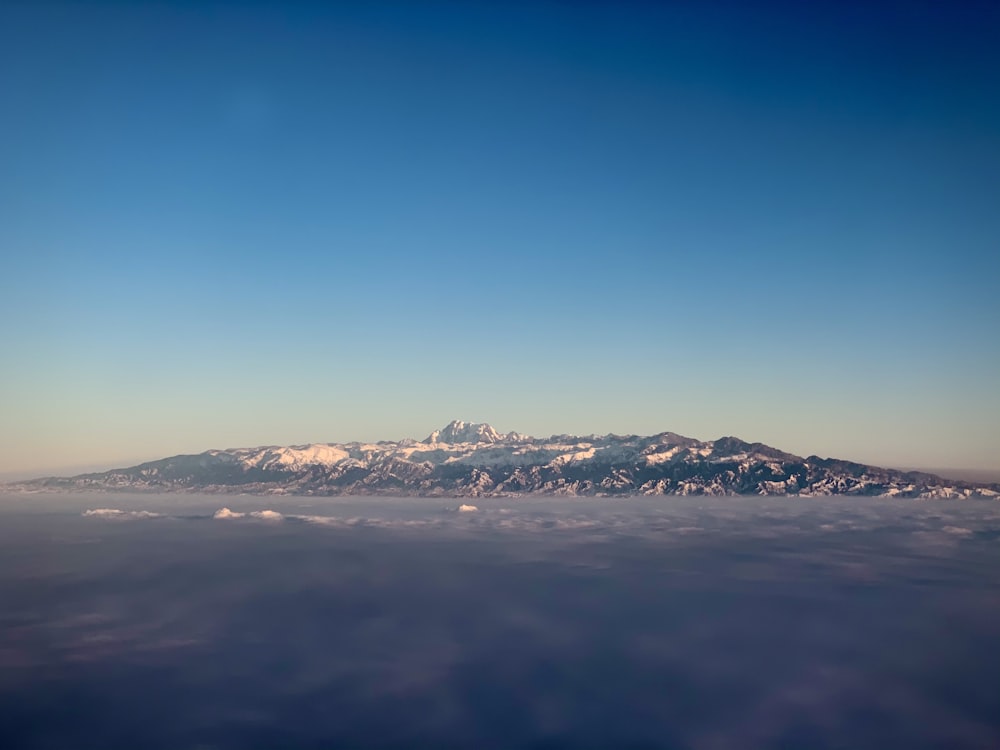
(470, 459)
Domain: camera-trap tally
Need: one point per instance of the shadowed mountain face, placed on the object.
(471, 459)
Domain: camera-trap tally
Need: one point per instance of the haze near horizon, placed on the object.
(229, 225)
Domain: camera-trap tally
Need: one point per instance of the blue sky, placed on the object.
(229, 224)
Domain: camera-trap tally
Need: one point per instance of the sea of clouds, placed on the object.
(183, 622)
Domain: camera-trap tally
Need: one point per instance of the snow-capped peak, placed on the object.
(296, 457)
(458, 431)
(475, 460)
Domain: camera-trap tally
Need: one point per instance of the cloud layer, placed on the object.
(369, 624)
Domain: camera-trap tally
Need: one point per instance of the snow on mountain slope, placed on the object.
(458, 431)
(296, 457)
(473, 459)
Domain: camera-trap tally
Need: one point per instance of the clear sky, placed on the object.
(234, 224)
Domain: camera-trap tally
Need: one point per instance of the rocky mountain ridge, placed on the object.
(470, 459)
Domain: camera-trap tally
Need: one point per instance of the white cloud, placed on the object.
(268, 515)
(264, 515)
(116, 513)
(957, 531)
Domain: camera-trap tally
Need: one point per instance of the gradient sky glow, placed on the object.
(234, 224)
